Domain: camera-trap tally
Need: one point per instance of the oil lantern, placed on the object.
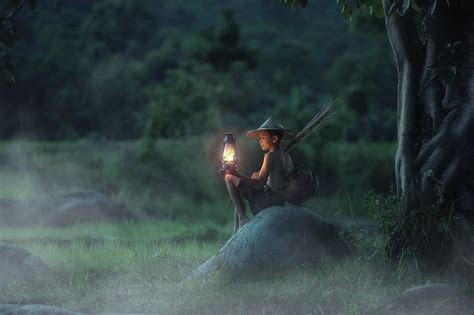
(229, 157)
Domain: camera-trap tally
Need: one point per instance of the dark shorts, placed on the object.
(260, 198)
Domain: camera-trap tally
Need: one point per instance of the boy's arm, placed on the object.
(254, 183)
(259, 179)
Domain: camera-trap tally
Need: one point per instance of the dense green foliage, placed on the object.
(124, 69)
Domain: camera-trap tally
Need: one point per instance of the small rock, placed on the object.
(80, 207)
(17, 211)
(17, 264)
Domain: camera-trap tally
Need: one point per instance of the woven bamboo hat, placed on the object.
(271, 124)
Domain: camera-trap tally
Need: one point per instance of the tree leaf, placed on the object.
(378, 9)
(294, 3)
(346, 12)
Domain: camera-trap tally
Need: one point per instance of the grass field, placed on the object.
(145, 267)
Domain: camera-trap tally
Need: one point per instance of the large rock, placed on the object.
(34, 309)
(278, 237)
(80, 207)
(17, 264)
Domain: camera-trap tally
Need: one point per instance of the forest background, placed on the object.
(169, 78)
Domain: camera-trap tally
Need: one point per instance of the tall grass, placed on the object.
(126, 231)
(150, 273)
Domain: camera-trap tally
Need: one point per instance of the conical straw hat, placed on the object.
(270, 124)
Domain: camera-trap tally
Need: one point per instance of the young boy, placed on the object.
(263, 189)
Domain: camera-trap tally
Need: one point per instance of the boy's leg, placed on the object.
(236, 222)
(264, 199)
(232, 182)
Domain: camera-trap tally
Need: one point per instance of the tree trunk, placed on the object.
(434, 163)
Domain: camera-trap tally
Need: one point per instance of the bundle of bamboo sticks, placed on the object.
(321, 119)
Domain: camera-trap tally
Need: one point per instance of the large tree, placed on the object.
(433, 45)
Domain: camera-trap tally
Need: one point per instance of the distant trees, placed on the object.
(223, 46)
(123, 69)
(214, 87)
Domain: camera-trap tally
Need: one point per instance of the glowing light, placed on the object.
(228, 156)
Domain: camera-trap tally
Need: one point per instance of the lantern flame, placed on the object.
(228, 156)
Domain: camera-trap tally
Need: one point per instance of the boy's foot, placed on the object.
(243, 221)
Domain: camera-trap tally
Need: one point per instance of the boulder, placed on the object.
(34, 309)
(278, 237)
(80, 207)
(17, 264)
